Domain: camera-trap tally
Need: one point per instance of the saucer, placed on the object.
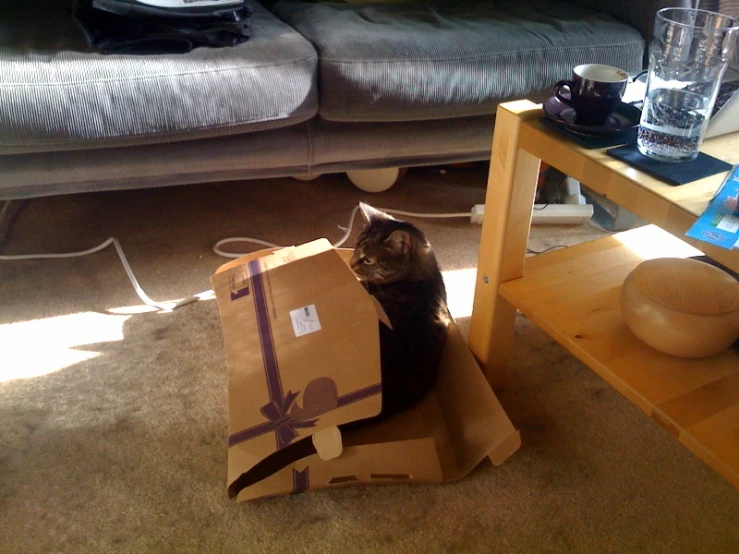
(624, 118)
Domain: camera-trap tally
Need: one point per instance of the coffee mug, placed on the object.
(595, 92)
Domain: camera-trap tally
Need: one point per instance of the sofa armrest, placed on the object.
(637, 13)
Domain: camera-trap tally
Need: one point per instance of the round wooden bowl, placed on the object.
(682, 307)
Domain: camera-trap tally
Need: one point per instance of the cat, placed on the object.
(395, 263)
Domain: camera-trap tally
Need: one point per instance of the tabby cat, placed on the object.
(394, 262)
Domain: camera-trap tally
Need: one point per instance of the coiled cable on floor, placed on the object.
(169, 306)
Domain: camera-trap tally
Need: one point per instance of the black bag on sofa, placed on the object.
(133, 27)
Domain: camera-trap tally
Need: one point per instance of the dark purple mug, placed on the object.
(595, 92)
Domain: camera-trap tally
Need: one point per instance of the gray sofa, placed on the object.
(320, 87)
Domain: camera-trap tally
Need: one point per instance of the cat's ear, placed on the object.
(369, 213)
(399, 241)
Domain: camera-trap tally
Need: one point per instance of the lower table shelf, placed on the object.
(573, 295)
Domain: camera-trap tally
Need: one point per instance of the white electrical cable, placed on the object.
(129, 272)
(114, 241)
(426, 216)
(169, 306)
(223, 253)
(347, 231)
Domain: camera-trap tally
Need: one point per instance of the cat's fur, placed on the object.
(395, 263)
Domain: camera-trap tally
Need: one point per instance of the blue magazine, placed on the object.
(719, 224)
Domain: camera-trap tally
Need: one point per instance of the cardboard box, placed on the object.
(302, 345)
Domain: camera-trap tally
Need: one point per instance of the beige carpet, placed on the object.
(113, 419)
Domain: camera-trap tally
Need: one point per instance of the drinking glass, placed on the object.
(687, 59)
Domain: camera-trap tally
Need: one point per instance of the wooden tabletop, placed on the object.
(674, 208)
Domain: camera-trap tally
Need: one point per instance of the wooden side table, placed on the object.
(573, 294)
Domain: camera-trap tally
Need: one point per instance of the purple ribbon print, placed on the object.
(279, 420)
(301, 480)
(284, 415)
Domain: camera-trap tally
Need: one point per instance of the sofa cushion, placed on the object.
(57, 94)
(427, 60)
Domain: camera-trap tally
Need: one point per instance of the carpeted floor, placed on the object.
(113, 418)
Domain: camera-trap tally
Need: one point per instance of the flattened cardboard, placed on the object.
(442, 439)
(285, 383)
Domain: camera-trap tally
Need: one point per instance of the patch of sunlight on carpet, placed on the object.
(42, 346)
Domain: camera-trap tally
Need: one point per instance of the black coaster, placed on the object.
(673, 173)
(592, 142)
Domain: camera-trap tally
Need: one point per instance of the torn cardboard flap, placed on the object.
(302, 344)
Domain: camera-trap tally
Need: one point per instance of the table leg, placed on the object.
(505, 232)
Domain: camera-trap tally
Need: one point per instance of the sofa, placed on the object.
(320, 87)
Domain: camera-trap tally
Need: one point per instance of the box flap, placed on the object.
(384, 463)
(478, 427)
(282, 254)
(302, 344)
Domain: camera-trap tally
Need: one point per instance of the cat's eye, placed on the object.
(368, 261)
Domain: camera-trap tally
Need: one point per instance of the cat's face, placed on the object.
(388, 250)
